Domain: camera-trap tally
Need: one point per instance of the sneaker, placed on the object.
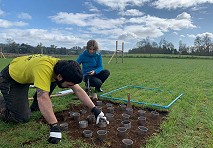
(98, 90)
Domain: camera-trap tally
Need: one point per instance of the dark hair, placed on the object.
(92, 43)
(69, 70)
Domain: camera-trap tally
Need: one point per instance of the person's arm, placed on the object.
(82, 95)
(79, 59)
(100, 64)
(45, 106)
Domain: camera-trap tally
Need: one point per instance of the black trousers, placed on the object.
(16, 97)
(98, 79)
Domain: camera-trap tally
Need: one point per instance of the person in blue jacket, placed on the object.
(92, 66)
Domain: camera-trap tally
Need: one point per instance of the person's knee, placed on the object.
(25, 119)
(97, 83)
(11, 117)
(106, 73)
(22, 119)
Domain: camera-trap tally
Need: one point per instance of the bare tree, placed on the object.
(198, 44)
(206, 43)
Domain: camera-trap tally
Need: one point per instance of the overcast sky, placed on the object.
(68, 23)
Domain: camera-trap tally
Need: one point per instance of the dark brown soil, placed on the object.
(112, 140)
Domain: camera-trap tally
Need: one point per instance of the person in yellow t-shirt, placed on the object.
(45, 73)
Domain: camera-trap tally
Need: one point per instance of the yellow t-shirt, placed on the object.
(34, 69)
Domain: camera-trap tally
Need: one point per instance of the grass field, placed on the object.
(190, 120)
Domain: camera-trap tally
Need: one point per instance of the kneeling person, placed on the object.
(45, 73)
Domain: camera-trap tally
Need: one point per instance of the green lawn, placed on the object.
(190, 120)
(143, 95)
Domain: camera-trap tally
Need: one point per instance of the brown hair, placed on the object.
(93, 43)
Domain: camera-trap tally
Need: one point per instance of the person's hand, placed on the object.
(55, 134)
(99, 115)
(92, 72)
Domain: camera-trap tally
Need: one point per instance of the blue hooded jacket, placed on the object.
(90, 62)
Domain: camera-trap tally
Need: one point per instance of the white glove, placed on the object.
(101, 116)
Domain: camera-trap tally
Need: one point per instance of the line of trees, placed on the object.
(203, 46)
(148, 47)
(13, 47)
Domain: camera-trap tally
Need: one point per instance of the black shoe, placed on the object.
(98, 90)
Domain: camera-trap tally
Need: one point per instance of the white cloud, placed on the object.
(199, 8)
(184, 15)
(121, 28)
(183, 20)
(78, 19)
(175, 33)
(24, 15)
(35, 36)
(109, 33)
(143, 31)
(8, 24)
(121, 4)
(200, 35)
(128, 36)
(131, 12)
(107, 23)
(191, 36)
(91, 7)
(204, 34)
(84, 20)
(174, 4)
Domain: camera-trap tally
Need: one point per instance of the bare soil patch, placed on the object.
(112, 140)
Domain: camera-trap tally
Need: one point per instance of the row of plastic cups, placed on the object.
(76, 115)
(110, 117)
(102, 134)
(99, 103)
(125, 117)
(110, 109)
(122, 131)
(141, 119)
(84, 123)
(129, 111)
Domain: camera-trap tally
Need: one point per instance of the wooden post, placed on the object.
(111, 58)
(129, 101)
(122, 52)
(116, 52)
(1, 52)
